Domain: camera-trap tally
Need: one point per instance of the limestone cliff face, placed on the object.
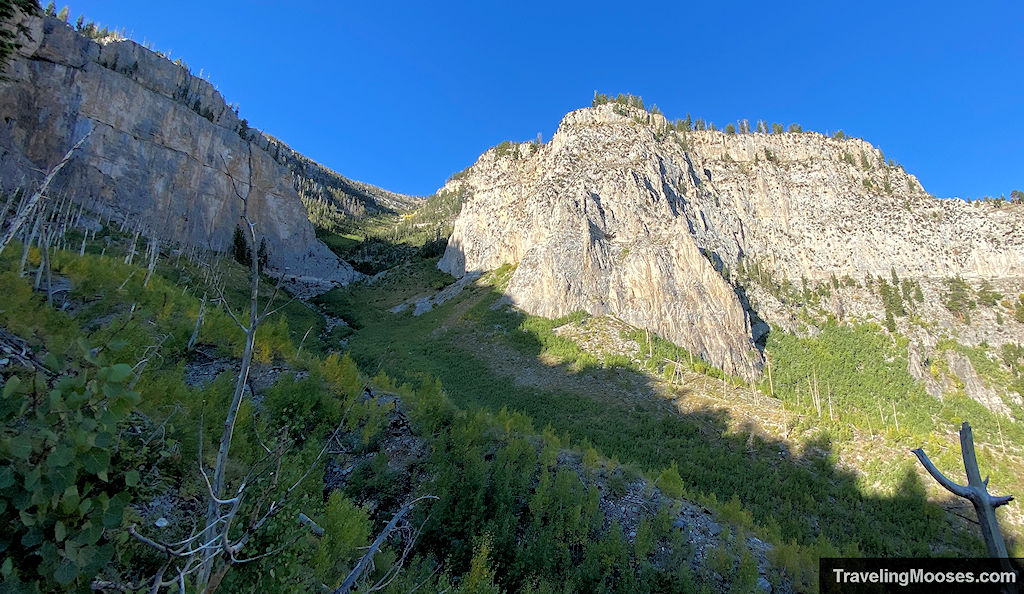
(163, 150)
(619, 214)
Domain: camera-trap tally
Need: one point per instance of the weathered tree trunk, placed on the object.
(154, 251)
(19, 218)
(976, 491)
(47, 236)
(25, 249)
(131, 251)
(367, 559)
(199, 323)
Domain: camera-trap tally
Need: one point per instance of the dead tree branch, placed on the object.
(366, 561)
(19, 219)
(976, 491)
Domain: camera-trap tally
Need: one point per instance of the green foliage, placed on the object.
(9, 33)
(153, 449)
(670, 482)
(480, 578)
(262, 255)
(892, 300)
(346, 529)
(240, 250)
(768, 154)
(987, 295)
(62, 496)
(958, 298)
(505, 149)
(433, 220)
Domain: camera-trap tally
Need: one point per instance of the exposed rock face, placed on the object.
(164, 148)
(619, 214)
(975, 388)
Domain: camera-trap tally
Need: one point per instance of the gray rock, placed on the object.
(164, 149)
(975, 388)
(615, 216)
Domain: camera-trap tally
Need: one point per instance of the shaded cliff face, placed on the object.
(164, 148)
(620, 215)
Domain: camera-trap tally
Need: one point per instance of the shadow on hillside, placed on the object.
(486, 355)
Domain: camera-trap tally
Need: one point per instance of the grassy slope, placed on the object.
(793, 488)
(499, 484)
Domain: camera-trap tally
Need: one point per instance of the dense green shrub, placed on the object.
(62, 495)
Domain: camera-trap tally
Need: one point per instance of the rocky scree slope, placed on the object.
(620, 214)
(163, 151)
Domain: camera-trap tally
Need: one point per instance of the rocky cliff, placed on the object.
(163, 150)
(622, 214)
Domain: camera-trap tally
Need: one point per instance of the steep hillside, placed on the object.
(165, 152)
(613, 215)
(328, 194)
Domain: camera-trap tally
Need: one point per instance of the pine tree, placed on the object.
(51, 10)
(8, 30)
(240, 248)
(63, 14)
(261, 254)
(730, 128)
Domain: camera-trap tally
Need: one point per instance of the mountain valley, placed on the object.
(644, 356)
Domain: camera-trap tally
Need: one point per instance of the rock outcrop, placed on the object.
(164, 148)
(622, 214)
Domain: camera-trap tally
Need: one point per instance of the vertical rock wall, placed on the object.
(164, 148)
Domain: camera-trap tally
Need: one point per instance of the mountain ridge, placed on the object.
(802, 207)
(166, 151)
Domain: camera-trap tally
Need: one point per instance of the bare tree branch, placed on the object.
(367, 559)
(19, 219)
(976, 492)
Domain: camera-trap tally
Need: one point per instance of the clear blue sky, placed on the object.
(401, 95)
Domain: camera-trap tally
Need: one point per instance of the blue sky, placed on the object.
(403, 94)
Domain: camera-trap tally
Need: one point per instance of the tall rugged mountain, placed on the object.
(621, 214)
(163, 151)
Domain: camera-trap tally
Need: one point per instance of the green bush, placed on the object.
(62, 498)
(670, 482)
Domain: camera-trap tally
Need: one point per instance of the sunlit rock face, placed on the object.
(618, 214)
(163, 150)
